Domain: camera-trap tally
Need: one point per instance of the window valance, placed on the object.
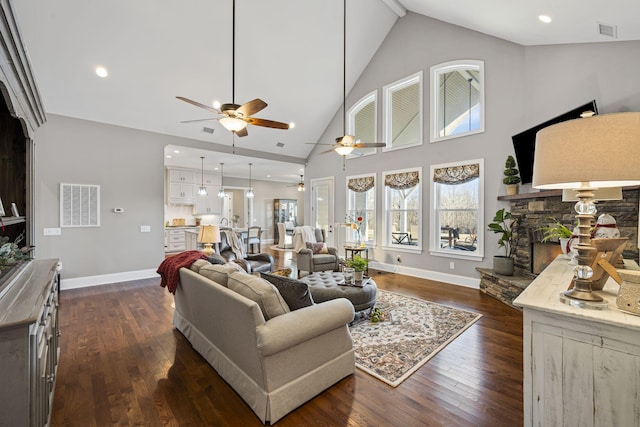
(456, 174)
(403, 180)
(362, 184)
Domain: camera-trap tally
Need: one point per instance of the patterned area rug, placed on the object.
(413, 332)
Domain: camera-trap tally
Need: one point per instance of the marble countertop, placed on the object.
(543, 295)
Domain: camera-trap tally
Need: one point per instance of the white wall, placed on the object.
(524, 86)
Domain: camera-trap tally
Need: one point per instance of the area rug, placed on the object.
(412, 332)
(276, 248)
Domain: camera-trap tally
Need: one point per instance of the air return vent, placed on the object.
(207, 130)
(608, 30)
(280, 144)
(79, 205)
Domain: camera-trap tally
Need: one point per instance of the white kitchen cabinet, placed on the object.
(209, 204)
(177, 241)
(210, 179)
(191, 239)
(180, 186)
(581, 366)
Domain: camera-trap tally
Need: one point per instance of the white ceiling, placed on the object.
(288, 53)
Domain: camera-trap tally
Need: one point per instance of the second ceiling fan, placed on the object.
(237, 117)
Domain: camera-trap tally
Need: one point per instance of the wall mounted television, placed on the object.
(524, 143)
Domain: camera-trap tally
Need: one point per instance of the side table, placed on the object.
(356, 250)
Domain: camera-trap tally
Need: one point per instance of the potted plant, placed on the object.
(504, 224)
(359, 264)
(511, 178)
(558, 231)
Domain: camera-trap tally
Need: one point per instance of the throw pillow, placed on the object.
(318, 248)
(198, 264)
(259, 290)
(294, 292)
(217, 259)
(218, 273)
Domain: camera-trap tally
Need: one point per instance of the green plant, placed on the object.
(357, 263)
(504, 224)
(510, 172)
(555, 231)
(11, 254)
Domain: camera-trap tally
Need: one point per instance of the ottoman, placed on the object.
(324, 286)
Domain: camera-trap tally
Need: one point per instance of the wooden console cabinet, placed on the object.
(581, 366)
(29, 348)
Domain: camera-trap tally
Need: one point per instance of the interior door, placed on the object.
(322, 206)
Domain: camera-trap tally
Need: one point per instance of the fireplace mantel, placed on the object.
(536, 195)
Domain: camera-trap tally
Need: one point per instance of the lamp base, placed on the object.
(208, 249)
(565, 298)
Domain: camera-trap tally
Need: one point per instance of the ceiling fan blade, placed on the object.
(369, 145)
(320, 143)
(251, 107)
(197, 104)
(327, 151)
(197, 120)
(265, 123)
(242, 132)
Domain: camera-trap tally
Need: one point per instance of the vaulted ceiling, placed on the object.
(288, 53)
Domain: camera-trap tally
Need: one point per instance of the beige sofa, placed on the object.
(274, 361)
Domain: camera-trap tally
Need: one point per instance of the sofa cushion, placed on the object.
(318, 248)
(218, 273)
(198, 264)
(294, 292)
(259, 290)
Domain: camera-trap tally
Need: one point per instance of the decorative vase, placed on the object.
(564, 245)
(512, 189)
(358, 276)
(503, 265)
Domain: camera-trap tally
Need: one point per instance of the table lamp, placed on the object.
(208, 234)
(586, 154)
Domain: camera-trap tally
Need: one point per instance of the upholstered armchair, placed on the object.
(313, 259)
(259, 263)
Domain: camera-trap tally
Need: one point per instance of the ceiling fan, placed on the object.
(346, 144)
(235, 118)
(299, 185)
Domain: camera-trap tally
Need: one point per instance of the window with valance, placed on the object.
(456, 214)
(361, 203)
(403, 213)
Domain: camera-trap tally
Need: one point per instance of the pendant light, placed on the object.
(250, 191)
(301, 184)
(221, 191)
(202, 191)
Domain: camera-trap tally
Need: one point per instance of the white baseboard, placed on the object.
(454, 279)
(103, 279)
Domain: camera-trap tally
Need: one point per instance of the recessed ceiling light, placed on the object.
(544, 18)
(268, 176)
(102, 72)
(292, 125)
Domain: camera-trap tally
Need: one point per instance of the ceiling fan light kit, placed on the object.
(236, 117)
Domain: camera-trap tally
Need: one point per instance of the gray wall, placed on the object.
(523, 85)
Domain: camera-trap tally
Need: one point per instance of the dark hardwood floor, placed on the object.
(123, 363)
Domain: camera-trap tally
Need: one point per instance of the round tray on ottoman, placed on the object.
(325, 286)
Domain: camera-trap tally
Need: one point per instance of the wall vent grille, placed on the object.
(79, 205)
(608, 30)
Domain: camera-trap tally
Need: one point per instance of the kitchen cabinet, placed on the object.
(177, 241)
(180, 186)
(283, 210)
(29, 346)
(581, 366)
(210, 204)
(191, 239)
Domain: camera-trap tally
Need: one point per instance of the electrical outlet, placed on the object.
(145, 229)
(452, 265)
(398, 259)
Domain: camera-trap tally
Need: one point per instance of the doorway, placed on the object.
(322, 205)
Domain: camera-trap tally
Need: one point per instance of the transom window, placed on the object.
(362, 123)
(403, 203)
(361, 203)
(457, 209)
(403, 113)
(457, 99)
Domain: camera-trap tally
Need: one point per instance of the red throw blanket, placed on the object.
(169, 269)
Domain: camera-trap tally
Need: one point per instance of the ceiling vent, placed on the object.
(207, 130)
(608, 30)
(280, 144)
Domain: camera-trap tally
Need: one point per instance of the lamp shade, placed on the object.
(603, 151)
(209, 234)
